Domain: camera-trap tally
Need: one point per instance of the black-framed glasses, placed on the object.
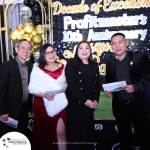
(48, 53)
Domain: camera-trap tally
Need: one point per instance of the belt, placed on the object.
(127, 102)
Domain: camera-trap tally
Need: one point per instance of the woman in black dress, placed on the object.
(83, 91)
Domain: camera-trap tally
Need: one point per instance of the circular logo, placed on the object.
(116, 147)
(14, 141)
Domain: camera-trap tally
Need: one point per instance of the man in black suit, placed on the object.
(130, 105)
(15, 100)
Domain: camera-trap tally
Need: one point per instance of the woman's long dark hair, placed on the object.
(43, 49)
(90, 59)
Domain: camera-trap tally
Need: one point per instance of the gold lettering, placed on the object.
(113, 6)
(97, 7)
(106, 4)
(57, 5)
(93, 7)
(97, 48)
(63, 9)
(146, 3)
(68, 54)
(74, 9)
(132, 4)
(68, 9)
(85, 8)
(126, 4)
(102, 69)
(97, 58)
(107, 47)
(92, 47)
(139, 3)
(120, 5)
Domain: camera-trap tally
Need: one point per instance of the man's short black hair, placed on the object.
(116, 34)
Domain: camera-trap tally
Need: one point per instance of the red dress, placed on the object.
(44, 127)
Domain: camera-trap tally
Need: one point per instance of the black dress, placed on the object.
(80, 124)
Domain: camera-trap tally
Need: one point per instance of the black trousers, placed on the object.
(22, 123)
(127, 114)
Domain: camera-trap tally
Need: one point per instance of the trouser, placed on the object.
(125, 115)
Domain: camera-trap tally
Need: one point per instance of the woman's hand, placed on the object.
(95, 104)
(50, 97)
(89, 103)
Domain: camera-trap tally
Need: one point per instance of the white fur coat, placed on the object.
(40, 82)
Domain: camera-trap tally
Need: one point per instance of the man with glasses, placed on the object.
(15, 100)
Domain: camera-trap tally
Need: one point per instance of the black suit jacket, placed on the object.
(11, 92)
(78, 81)
(139, 71)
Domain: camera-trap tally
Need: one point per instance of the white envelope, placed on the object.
(113, 87)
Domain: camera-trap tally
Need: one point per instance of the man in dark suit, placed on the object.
(130, 105)
(15, 101)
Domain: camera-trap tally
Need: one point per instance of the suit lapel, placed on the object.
(131, 64)
(29, 71)
(17, 71)
(114, 69)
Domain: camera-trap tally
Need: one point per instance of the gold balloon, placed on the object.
(35, 47)
(31, 35)
(14, 35)
(21, 31)
(19, 37)
(39, 45)
(34, 51)
(15, 44)
(34, 32)
(28, 23)
(31, 22)
(39, 29)
(26, 36)
(20, 26)
(44, 37)
(16, 32)
(37, 39)
(28, 27)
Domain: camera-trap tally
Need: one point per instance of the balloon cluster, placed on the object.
(28, 31)
(36, 10)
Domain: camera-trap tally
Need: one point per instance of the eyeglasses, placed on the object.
(52, 52)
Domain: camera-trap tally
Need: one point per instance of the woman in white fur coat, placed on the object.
(49, 127)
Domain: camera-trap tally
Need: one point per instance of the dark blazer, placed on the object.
(78, 81)
(139, 71)
(11, 92)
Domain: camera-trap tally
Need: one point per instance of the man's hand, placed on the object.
(108, 94)
(128, 88)
(4, 117)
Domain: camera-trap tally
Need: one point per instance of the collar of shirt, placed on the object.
(126, 57)
(20, 63)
